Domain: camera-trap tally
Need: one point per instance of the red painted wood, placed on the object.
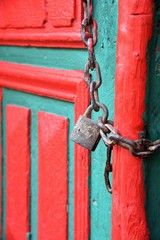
(22, 14)
(134, 32)
(52, 176)
(81, 173)
(56, 83)
(139, 7)
(61, 18)
(69, 86)
(17, 172)
(41, 23)
(1, 95)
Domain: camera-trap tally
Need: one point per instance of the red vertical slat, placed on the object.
(1, 93)
(52, 177)
(134, 31)
(81, 173)
(17, 172)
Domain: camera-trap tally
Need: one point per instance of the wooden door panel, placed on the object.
(52, 176)
(17, 172)
(21, 13)
(46, 23)
(59, 173)
(61, 16)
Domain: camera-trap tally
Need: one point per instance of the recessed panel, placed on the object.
(21, 13)
(61, 12)
(52, 177)
(17, 172)
(51, 23)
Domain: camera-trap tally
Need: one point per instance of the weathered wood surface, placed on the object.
(134, 32)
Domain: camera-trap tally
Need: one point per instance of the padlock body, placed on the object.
(86, 133)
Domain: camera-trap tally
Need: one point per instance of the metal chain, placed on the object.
(108, 169)
(110, 136)
(89, 37)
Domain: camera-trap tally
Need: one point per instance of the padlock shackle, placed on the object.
(100, 105)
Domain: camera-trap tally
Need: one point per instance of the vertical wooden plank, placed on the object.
(81, 173)
(52, 176)
(0, 160)
(17, 172)
(134, 32)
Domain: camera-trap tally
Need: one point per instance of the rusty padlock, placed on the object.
(86, 132)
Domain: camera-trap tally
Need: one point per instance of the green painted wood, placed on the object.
(100, 200)
(152, 119)
(105, 12)
(45, 57)
(36, 103)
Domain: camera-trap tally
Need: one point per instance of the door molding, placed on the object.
(67, 85)
(46, 25)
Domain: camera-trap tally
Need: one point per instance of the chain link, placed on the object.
(108, 169)
(89, 37)
(139, 148)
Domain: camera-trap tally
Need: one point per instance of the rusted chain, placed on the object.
(139, 148)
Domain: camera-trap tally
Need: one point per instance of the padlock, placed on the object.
(86, 132)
